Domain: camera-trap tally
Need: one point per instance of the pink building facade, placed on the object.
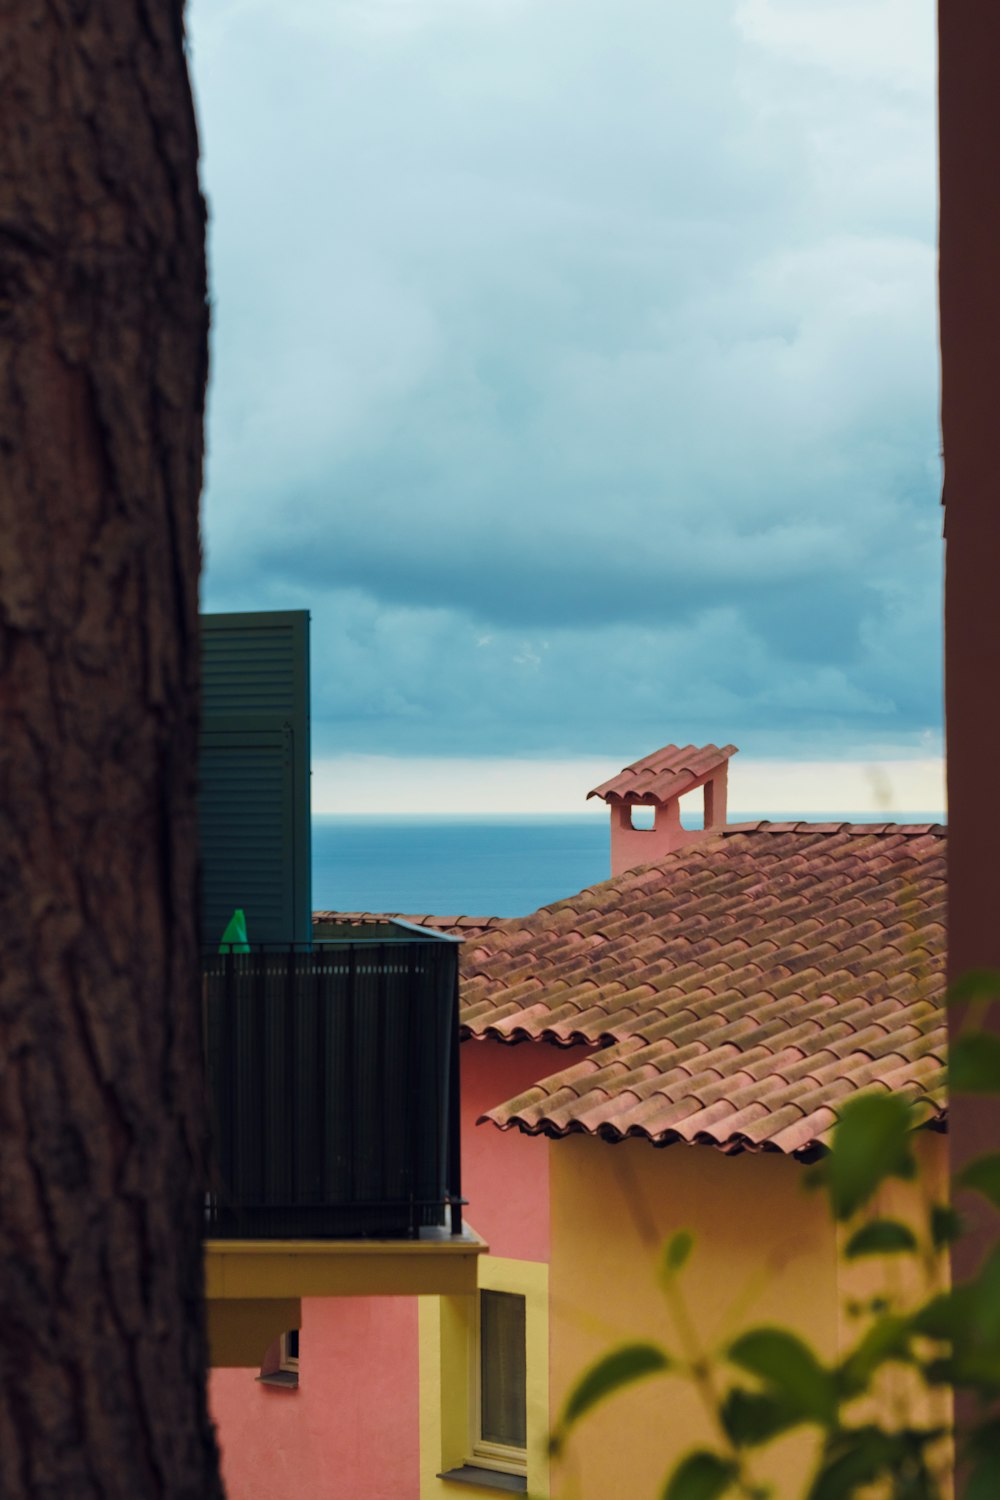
(351, 1426)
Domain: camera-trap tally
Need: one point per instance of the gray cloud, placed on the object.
(576, 365)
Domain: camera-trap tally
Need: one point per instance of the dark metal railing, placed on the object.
(333, 1082)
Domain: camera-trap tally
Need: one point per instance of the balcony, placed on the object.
(334, 1093)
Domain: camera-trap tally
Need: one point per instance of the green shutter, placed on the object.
(254, 807)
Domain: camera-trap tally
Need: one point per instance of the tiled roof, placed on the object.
(665, 773)
(464, 927)
(739, 990)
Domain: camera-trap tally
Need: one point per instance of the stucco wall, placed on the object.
(765, 1252)
(351, 1429)
(505, 1175)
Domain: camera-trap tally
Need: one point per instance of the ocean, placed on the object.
(483, 867)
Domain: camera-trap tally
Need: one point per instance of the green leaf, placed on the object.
(981, 1460)
(880, 1237)
(974, 1064)
(789, 1366)
(982, 1175)
(700, 1476)
(619, 1368)
(946, 1225)
(675, 1253)
(973, 1370)
(973, 985)
(871, 1142)
(967, 1316)
(887, 1339)
(854, 1458)
(945, 1316)
(754, 1417)
(984, 1302)
(983, 1482)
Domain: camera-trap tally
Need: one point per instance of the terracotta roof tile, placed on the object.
(798, 1138)
(665, 773)
(741, 989)
(464, 927)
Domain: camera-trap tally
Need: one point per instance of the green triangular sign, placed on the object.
(234, 939)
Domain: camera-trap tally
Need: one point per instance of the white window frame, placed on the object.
(449, 1412)
(286, 1360)
(280, 1371)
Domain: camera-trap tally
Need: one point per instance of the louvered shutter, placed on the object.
(254, 806)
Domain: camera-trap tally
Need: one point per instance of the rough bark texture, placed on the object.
(103, 328)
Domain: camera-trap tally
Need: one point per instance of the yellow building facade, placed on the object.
(765, 1253)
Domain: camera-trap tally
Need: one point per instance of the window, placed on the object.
(484, 1384)
(498, 1386)
(290, 1350)
(281, 1363)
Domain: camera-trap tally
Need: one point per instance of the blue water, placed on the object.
(484, 867)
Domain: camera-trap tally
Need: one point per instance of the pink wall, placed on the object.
(505, 1175)
(352, 1427)
(631, 846)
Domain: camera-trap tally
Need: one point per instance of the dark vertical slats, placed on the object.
(343, 1043)
(453, 1154)
(331, 1073)
(294, 994)
(411, 1089)
(305, 1085)
(254, 777)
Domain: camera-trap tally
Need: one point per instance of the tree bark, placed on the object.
(103, 357)
(969, 138)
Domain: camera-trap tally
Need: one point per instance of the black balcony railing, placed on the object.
(333, 1080)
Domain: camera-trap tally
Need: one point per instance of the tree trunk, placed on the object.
(103, 354)
(969, 135)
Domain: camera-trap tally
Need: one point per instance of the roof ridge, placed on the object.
(665, 773)
(425, 919)
(831, 826)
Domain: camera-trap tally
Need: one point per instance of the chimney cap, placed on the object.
(665, 774)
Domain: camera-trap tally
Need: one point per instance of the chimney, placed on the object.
(659, 782)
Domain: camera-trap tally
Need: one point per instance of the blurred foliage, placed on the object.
(872, 1433)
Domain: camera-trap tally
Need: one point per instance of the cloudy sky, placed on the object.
(574, 363)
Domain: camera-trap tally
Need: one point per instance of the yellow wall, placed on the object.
(252, 1269)
(906, 1201)
(446, 1325)
(903, 1279)
(764, 1253)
